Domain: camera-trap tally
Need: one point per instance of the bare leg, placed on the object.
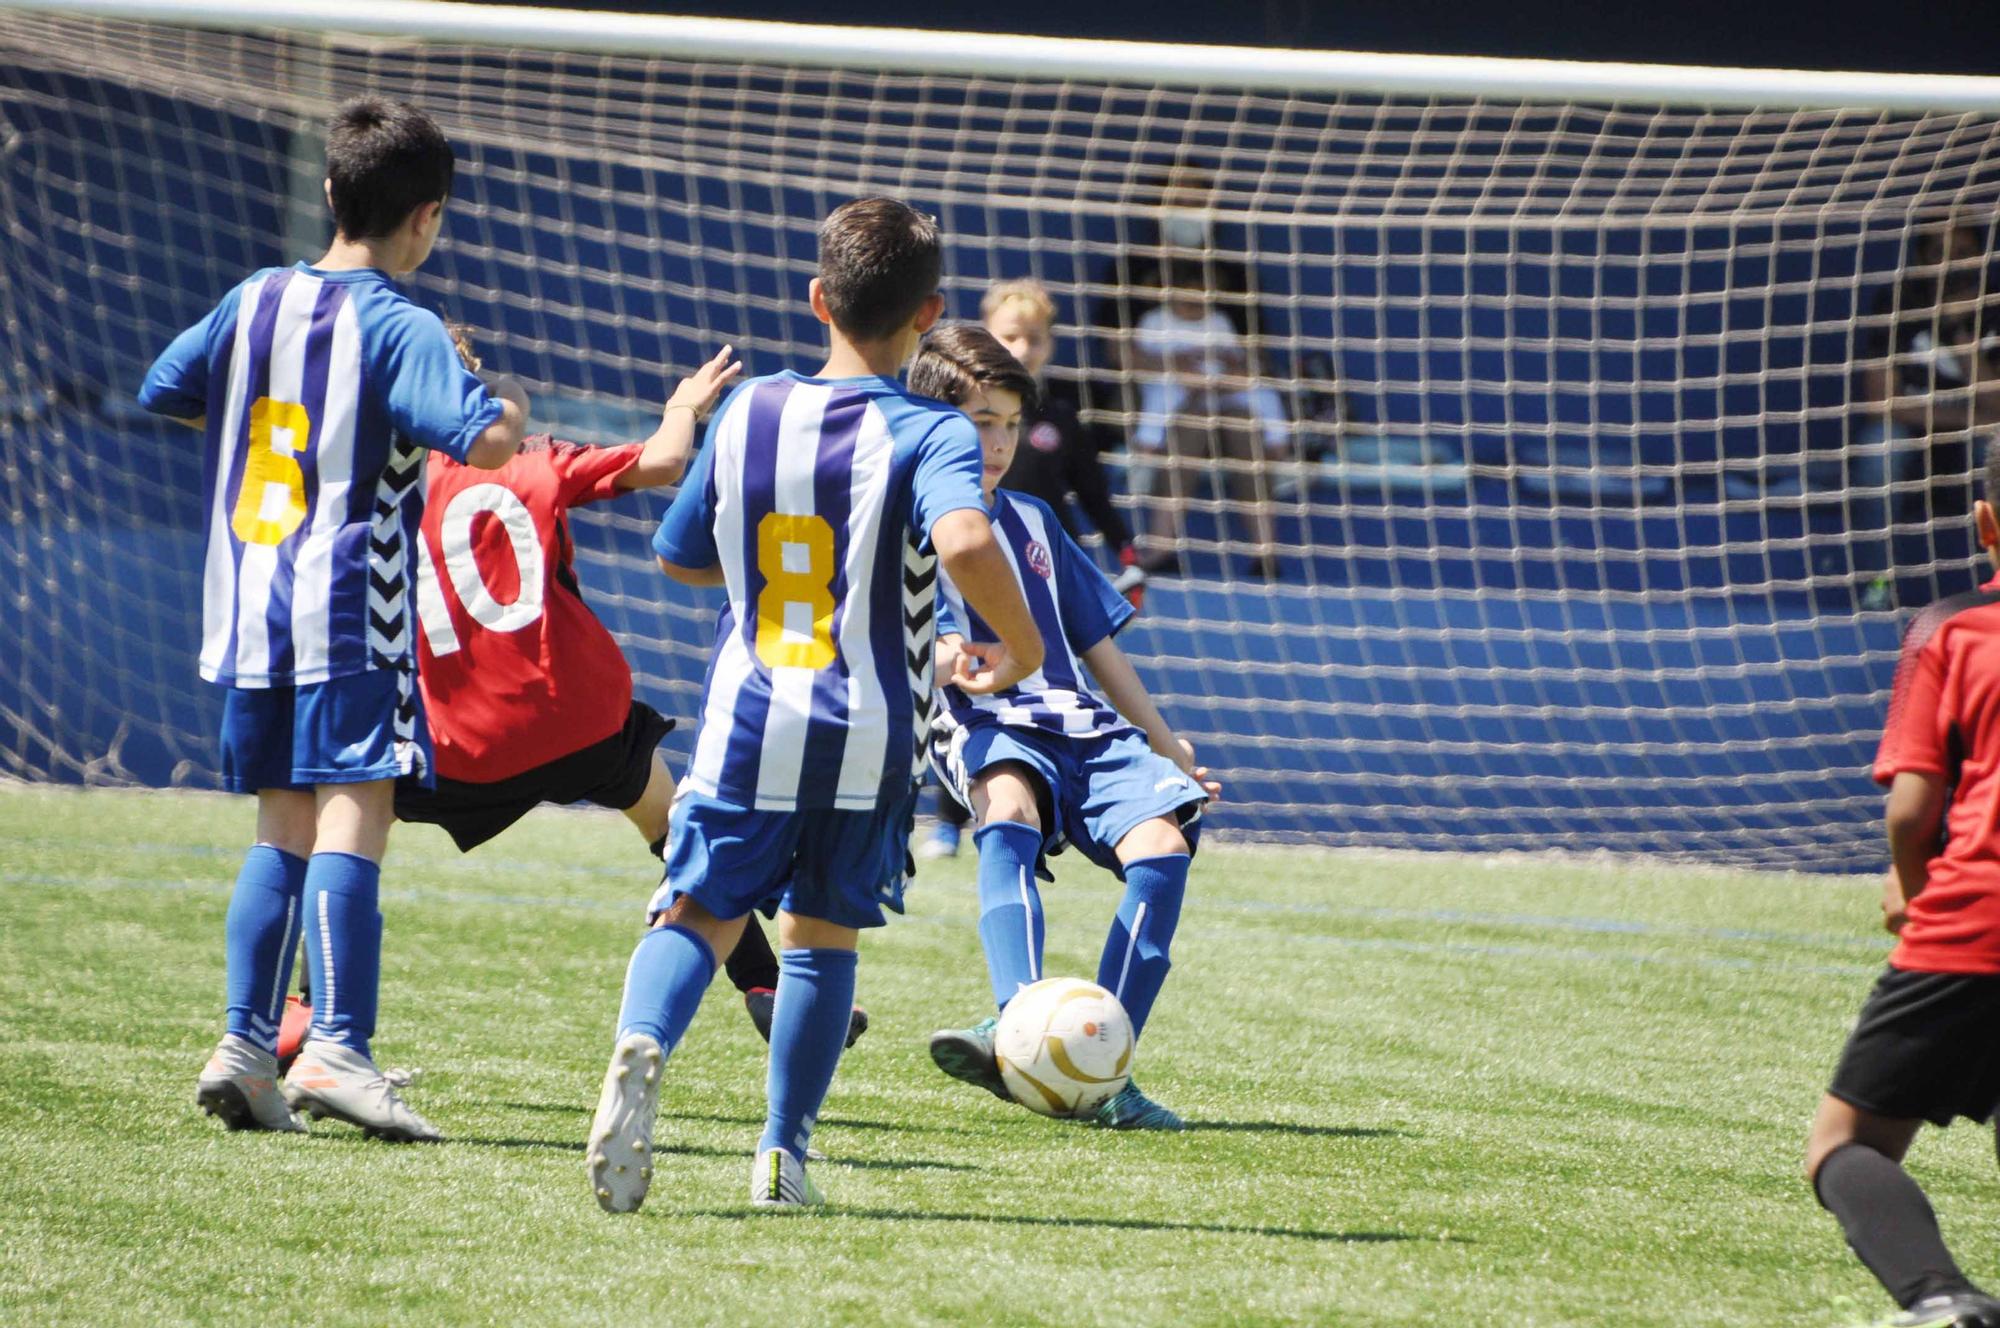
(286, 820)
(649, 814)
(355, 818)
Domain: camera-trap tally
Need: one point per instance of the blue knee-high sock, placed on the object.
(808, 1031)
(1135, 960)
(671, 967)
(343, 947)
(260, 938)
(1010, 906)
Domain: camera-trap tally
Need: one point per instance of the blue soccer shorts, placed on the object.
(1096, 790)
(349, 730)
(842, 867)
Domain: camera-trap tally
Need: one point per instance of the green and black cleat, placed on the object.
(967, 1053)
(1133, 1110)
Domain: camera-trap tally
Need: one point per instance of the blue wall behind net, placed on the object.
(147, 209)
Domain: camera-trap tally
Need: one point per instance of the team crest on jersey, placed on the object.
(1039, 560)
(1045, 437)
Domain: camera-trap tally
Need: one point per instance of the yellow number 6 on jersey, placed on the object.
(266, 467)
(786, 583)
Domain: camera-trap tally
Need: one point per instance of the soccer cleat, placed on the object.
(1133, 1110)
(620, 1155)
(943, 843)
(779, 1180)
(329, 1080)
(967, 1053)
(292, 1026)
(1965, 1309)
(292, 1035)
(239, 1086)
(760, 1001)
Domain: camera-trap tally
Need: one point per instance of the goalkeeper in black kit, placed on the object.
(1057, 460)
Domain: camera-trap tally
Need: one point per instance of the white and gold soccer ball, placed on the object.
(1064, 1046)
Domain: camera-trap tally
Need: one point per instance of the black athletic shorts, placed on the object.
(612, 773)
(1927, 1047)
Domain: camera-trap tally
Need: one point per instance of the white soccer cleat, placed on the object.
(239, 1087)
(331, 1080)
(779, 1180)
(621, 1134)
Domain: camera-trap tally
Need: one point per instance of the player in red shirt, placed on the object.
(1927, 1045)
(528, 697)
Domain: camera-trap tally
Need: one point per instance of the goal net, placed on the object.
(1543, 457)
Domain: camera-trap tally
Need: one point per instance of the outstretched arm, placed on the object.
(1115, 674)
(664, 458)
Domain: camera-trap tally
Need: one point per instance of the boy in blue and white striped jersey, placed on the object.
(825, 507)
(319, 388)
(1053, 760)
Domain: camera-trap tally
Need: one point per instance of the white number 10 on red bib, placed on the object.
(468, 581)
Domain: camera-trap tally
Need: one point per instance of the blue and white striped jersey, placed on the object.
(817, 498)
(1074, 606)
(321, 392)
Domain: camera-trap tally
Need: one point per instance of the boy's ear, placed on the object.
(328, 186)
(426, 217)
(931, 310)
(816, 297)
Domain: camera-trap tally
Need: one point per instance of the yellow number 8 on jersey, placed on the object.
(267, 467)
(795, 558)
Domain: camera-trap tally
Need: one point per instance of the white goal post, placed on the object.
(1586, 436)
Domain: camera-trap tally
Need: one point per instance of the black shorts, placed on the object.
(1927, 1047)
(612, 773)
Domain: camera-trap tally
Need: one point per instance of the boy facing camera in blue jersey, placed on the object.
(319, 388)
(1049, 762)
(823, 506)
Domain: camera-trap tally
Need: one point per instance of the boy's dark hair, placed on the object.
(879, 260)
(959, 359)
(384, 159)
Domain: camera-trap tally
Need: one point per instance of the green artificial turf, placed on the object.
(1423, 1089)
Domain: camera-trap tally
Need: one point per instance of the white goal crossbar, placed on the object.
(1024, 57)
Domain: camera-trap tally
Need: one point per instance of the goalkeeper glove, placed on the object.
(1131, 582)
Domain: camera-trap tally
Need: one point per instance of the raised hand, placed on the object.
(699, 390)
